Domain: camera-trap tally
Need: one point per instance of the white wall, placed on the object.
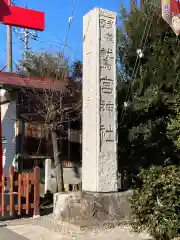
(8, 120)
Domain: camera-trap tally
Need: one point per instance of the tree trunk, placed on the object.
(58, 163)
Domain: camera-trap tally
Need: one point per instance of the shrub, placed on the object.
(156, 203)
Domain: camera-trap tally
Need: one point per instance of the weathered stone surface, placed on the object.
(92, 206)
(99, 164)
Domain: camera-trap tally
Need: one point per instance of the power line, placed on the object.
(26, 35)
(69, 25)
(9, 46)
(65, 44)
(62, 43)
(56, 44)
(137, 63)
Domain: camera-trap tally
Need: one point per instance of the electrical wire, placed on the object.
(158, 43)
(2, 69)
(65, 44)
(69, 25)
(137, 64)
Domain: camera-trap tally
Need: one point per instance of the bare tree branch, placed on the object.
(54, 107)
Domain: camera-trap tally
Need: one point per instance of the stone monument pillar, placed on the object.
(99, 164)
(100, 199)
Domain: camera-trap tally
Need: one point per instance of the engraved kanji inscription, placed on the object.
(102, 23)
(106, 85)
(105, 64)
(106, 53)
(107, 134)
(109, 107)
(102, 105)
(102, 133)
(109, 37)
(107, 24)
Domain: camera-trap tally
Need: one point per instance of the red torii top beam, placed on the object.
(21, 17)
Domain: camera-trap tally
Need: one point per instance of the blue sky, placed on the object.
(57, 13)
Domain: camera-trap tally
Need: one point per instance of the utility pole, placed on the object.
(26, 35)
(26, 42)
(9, 46)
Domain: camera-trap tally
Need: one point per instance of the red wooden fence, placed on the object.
(23, 193)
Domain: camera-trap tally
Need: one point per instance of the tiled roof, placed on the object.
(16, 81)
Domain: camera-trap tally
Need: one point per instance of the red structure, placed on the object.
(1, 151)
(16, 81)
(21, 17)
(18, 17)
(175, 7)
(170, 13)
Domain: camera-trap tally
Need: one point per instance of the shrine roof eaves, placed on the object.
(21, 81)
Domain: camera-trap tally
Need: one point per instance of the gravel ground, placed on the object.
(71, 231)
(48, 222)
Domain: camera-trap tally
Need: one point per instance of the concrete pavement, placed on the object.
(47, 228)
(34, 232)
(6, 234)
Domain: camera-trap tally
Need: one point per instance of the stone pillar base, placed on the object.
(88, 206)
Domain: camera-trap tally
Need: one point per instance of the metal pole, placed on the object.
(69, 140)
(26, 42)
(9, 46)
(1, 148)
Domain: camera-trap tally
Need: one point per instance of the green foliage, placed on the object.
(44, 64)
(150, 86)
(54, 108)
(156, 203)
(76, 70)
(173, 128)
